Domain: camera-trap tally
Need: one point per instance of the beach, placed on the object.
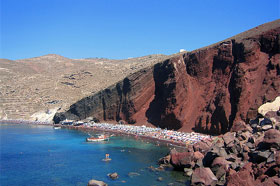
(171, 137)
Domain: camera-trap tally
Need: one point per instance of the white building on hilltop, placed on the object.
(183, 50)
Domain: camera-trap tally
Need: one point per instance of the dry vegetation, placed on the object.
(52, 81)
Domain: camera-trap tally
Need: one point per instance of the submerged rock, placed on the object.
(133, 174)
(160, 179)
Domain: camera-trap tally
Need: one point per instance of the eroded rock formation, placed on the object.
(206, 90)
(248, 155)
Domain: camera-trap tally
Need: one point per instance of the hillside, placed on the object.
(52, 81)
(205, 90)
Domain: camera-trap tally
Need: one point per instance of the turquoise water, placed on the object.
(40, 155)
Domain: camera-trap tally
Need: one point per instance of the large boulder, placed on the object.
(181, 160)
(202, 146)
(228, 138)
(272, 138)
(198, 155)
(244, 177)
(165, 160)
(221, 162)
(96, 183)
(203, 176)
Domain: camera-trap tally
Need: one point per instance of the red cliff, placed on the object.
(206, 90)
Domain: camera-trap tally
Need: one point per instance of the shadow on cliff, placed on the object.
(158, 112)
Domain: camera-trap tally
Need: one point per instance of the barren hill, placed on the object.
(205, 90)
(52, 81)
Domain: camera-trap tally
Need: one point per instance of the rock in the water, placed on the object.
(113, 175)
(96, 183)
(133, 174)
(160, 179)
(164, 160)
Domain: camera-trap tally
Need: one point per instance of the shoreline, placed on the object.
(28, 122)
(137, 137)
(155, 140)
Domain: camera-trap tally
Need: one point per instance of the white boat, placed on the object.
(99, 138)
(56, 127)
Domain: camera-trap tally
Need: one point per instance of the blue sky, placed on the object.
(120, 29)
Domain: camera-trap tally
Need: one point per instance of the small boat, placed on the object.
(57, 127)
(99, 138)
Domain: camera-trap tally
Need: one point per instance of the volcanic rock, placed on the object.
(182, 160)
(206, 90)
(201, 146)
(272, 138)
(240, 126)
(260, 156)
(164, 160)
(204, 176)
(221, 162)
(244, 177)
(198, 155)
(228, 137)
(277, 157)
(219, 151)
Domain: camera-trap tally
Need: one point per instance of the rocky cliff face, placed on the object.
(206, 90)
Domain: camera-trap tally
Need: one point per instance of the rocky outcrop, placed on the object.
(206, 90)
(250, 156)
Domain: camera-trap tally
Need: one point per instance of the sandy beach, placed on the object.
(156, 135)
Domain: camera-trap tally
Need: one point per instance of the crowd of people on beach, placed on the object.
(158, 133)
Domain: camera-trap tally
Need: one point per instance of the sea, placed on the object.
(40, 155)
